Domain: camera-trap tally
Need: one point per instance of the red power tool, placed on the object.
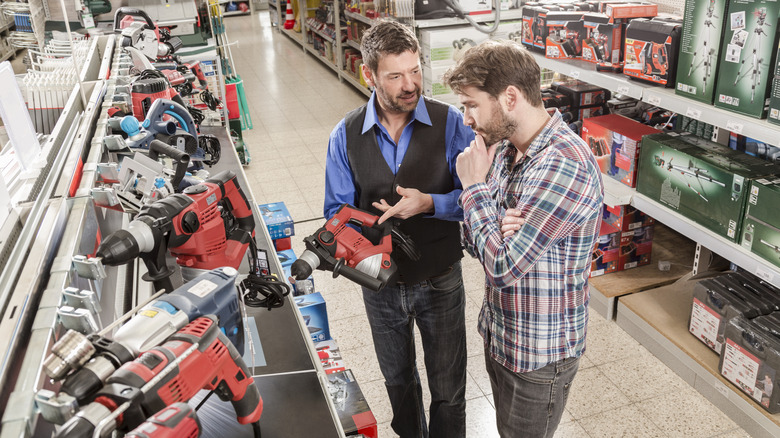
(176, 421)
(340, 248)
(147, 385)
(208, 225)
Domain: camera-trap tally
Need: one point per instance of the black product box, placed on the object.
(351, 405)
(582, 94)
(565, 32)
(535, 26)
(713, 306)
(700, 179)
(651, 50)
(774, 96)
(751, 361)
(603, 40)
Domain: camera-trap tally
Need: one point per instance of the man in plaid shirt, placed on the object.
(532, 201)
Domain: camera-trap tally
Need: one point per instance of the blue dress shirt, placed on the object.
(339, 179)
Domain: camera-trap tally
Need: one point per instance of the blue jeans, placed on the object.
(437, 306)
(530, 404)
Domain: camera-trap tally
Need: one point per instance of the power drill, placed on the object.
(341, 249)
(176, 421)
(208, 225)
(212, 293)
(148, 384)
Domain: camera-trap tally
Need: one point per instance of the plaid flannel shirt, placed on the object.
(535, 309)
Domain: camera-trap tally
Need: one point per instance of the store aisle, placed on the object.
(295, 101)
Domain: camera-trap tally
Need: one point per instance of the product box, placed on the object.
(433, 85)
(774, 96)
(330, 357)
(603, 39)
(761, 229)
(651, 51)
(705, 21)
(626, 217)
(315, 315)
(509, 30)
(754, 147)
(751, 361)
(476, 7)
(565, 32)
(606, 251)
(702, 180)
(277, 219)
(351, 405)
(636, 247)
(582, 94)
(535, 26)
(443, 47)
(286, 257)
(615, 142)
(747, 57)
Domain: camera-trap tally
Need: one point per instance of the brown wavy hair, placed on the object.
(386, 37)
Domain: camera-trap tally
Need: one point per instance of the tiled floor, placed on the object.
(621, 390)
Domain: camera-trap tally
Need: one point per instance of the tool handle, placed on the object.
(357, 276)
(133, 12)
(180, 158)
(177, 420)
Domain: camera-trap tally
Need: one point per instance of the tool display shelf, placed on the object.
(325, 36)
(658, 319)
(668, 245)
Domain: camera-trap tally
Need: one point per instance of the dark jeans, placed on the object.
(437, 306)
(530, 404)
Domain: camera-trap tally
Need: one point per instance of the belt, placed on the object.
(400, 281)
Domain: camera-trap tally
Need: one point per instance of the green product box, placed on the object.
(748, 57)
(761, 228)
(699, 48)
(700, 179)
(774, 96)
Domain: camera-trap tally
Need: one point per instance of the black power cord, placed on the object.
(260, 289)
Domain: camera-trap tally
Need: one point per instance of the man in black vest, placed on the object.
(395, 156)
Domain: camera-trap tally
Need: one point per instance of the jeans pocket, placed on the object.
(542, 376)
(448, 281)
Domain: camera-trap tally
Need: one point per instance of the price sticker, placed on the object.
(734, 126)
(623, 89)
(654, 100)
(574, 74)
(693, 113)
(722, 389)
(763, 274)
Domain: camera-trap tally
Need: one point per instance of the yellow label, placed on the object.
(149, 313)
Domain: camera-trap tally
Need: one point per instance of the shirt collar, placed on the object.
(420, 113)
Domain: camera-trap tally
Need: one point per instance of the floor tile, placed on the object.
(480, 419)
(571, 429)
(351, 332)
(363, 363)
(376, 395)
(592, 393)
(643, 376)
(686, 414)
(608, 342)
(626, 421)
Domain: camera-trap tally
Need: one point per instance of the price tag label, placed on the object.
(734, 126)
(763, 274)
(575, 74)
(693, 113)
(623, 89)
(722, 389)
(654, 100)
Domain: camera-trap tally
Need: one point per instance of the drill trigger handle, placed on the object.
(341, 268)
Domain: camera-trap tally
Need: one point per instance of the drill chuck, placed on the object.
(72, 351)
(125, 245)
(302, 268)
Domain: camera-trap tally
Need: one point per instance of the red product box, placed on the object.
(626, 217)
(615, 142)
(283, 243)
(564, 34)
(606, 251)
(603, 39)
(330, 357)
(631, 10)
(635, 248)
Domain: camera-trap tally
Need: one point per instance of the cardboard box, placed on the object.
(606, 251)
(433, 85)
(315, 315)
(330, 357)
(761, 229)
(636, 246)
(565, 32)
(774, 96)
(277, 219)
(626, 217)
(582, 94)
(744, 87)
(615, 141)
(509, 30)
(535, 28)
(443, 47)
(351, 405)
(700, 48)
(603, 41)
(702, 180)
(651, 51)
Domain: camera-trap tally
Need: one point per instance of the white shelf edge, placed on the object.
(310, 48)
(512, 14)
(586, 71)
(325, 36)
(359, 17)
(297, 37)
(615, 192)
(710, 240)
(355, 83)
(353, 44)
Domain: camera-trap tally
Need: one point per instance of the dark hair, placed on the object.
(386, 37)
(492, 66)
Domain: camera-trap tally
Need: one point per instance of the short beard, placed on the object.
(393, 104)
(500, 127)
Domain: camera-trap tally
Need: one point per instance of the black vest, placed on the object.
(425, 168)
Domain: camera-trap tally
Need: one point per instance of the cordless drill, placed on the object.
(341, 249)
(147, 385)
(212, 293)
(208, 225)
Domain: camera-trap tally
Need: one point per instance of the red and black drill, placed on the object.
(340, 248)
(208, 225)
(139, 389)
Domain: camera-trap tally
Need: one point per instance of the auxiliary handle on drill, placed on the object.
(179, 157)
(124, 11)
